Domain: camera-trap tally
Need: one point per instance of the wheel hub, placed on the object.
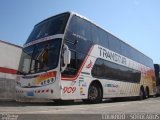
(93, 93)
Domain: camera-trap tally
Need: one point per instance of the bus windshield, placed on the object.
(40, 57)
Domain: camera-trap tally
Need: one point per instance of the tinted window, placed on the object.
(79, 50)
(75, 64)
(98, 69)
(129, 52)
(95, 34)
(51, 26)
(72, 67)
(109, 70)
(104, 39)
(114, 44)
(40, 57)
(99, 36)
(80, 27)
(80, 59)
(123, 49)
(81, 46)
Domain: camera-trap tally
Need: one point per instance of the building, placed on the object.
(9, 61)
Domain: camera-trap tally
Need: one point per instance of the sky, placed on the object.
(137, 22)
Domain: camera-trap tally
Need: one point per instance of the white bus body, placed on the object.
(96, 68)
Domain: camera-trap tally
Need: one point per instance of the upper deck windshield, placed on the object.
(51, 26)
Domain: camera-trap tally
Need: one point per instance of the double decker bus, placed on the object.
(157, 74)
(68, 57)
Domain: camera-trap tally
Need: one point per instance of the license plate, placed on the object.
(30, 94)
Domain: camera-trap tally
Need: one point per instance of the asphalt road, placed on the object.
(78, 110)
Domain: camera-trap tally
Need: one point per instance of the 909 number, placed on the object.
(69, 89)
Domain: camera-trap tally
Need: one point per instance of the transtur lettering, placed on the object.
(112, 56)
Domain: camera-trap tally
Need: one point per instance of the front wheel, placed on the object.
(94, 94)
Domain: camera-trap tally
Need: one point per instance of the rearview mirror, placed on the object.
(67, 56)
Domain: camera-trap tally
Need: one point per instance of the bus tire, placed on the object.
(94, 94)
(142, 95)
(147, 92)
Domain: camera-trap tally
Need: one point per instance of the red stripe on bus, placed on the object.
(79, 71)
(8, 70)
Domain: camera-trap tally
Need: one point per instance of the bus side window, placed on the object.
(95, 34)
(114, 44)
(72, 67)
(103, 38)
(80, 27)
